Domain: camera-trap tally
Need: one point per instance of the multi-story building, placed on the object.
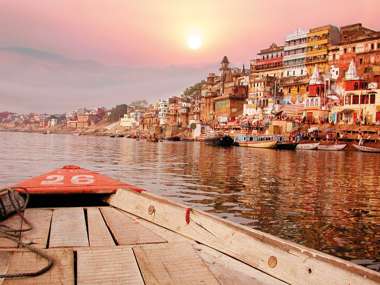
(318, 41)
(269, 62)
(263, 95)
(195, 107)
(360, 44)
(361, 101)
(209, 90)
(233, 93)
(314, 102)
(295, 80)
(295, 54)
(163, 109)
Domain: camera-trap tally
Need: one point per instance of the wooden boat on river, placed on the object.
(256, 141)
(97, 230)
(367, 148)
(307, 145)
(223, 141)
(335, 146)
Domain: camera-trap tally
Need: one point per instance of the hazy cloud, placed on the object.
(35, 80)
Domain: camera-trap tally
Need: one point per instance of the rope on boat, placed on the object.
(17, 204)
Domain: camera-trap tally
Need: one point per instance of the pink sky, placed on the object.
(151, 35)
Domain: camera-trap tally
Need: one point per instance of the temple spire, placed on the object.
(316, 77)
(351, 73)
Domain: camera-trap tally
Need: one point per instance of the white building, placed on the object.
(163, 109)
(131, 120)
(295, 54)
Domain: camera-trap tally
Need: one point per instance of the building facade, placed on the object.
(318, 41)
(269, 62)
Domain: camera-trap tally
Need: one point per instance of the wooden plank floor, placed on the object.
(175, 263)
(126, 230)
(98, 233)
(108, 266)
(40, 220)
(114, 247)
(21, 261)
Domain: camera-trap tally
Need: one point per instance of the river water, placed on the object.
(329, 201)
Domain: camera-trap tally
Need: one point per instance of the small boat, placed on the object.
(173, 138)
(307, 146)
(286, 145)
(367, 148)
(256, 141)
(220, 140)
(331, 146)
(142, 238)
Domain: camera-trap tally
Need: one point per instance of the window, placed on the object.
(378, 45)
(294, 72)
(372, 98)
(361, 60)
(355, 99)
(301, 71)
(356, 86)
(372, 46)
(364, 99)
(347, 100)
(353, 49)
(344, 50)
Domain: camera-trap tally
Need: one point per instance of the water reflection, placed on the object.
(326, 200)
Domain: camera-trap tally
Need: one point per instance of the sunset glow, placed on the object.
(64, 49)
(194, 41)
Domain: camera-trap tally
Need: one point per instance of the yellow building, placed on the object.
(294, 89)
(318, 41)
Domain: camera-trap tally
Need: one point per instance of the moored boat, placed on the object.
(222, 140)
(332, 146)
(307, 146)
(173, 138)
(367, 148)
(256, 141)
(146, 239)
(286, 145)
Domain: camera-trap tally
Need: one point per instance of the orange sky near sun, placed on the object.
(154, 32)
(59, 55)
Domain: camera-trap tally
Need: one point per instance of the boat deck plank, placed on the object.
(14, 222)
(172, 263)
(98, 233)
(40, 220)
(68, 228)
(20, 261)
(108, 266)
(231, 271)
(144, 253)
(128, 231)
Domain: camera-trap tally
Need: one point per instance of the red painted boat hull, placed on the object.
(73, 179)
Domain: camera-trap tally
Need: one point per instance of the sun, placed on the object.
(194, 41)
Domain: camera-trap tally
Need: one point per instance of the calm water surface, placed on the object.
(329, 201)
